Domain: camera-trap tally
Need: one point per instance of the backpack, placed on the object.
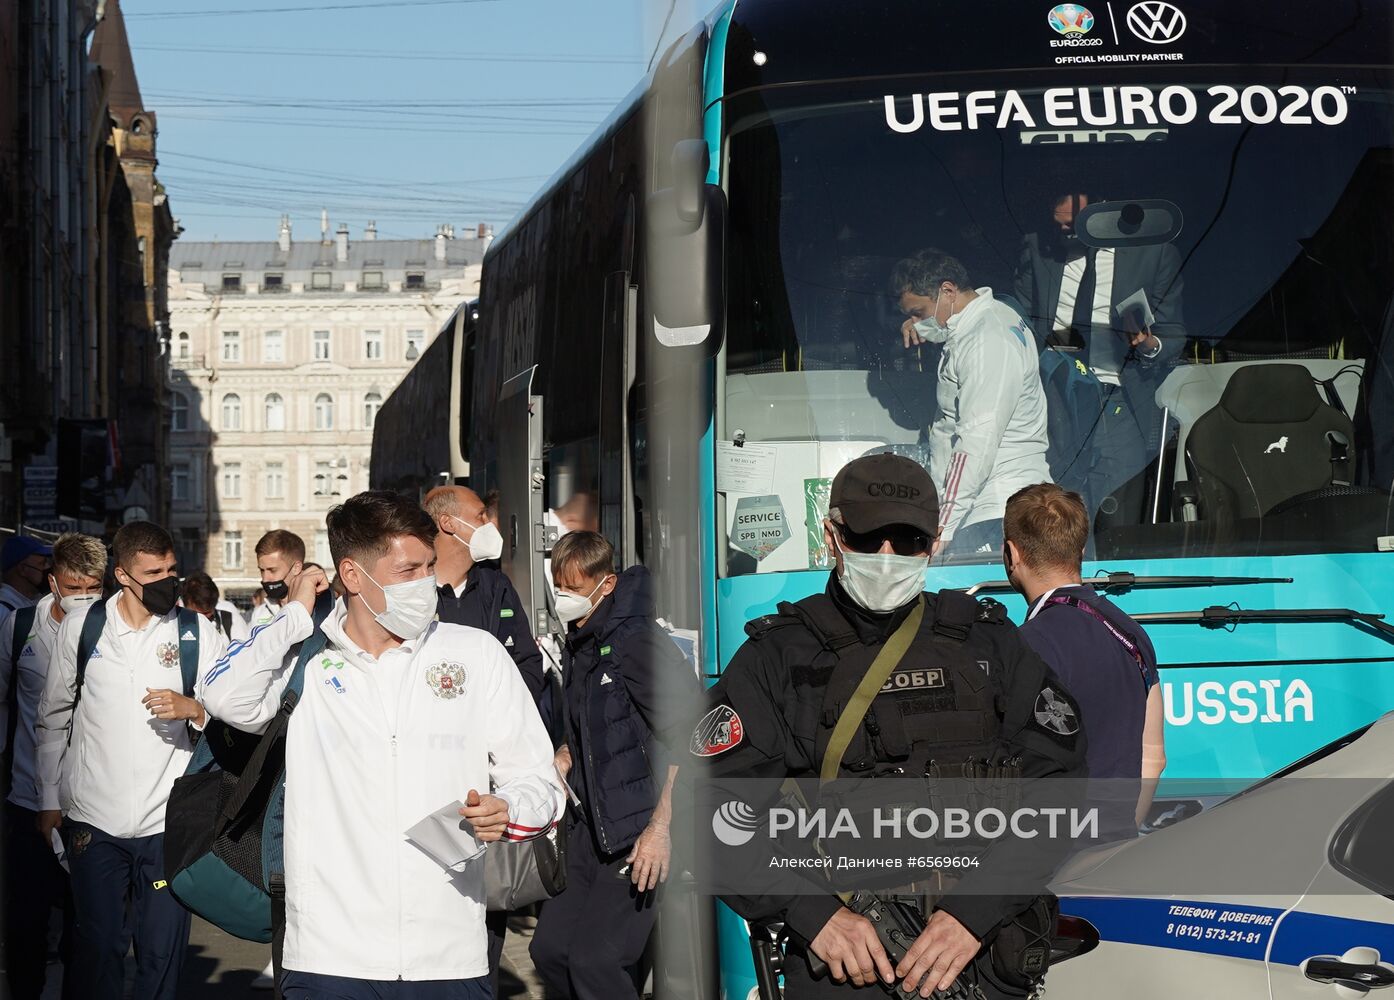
(91, 634)
(23, 622)
(225, 820)
(1074, 402)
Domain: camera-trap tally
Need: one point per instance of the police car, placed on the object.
(1282, 891)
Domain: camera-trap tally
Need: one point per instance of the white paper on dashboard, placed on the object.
(447, 837)
(1138, 310)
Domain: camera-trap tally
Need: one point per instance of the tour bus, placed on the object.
(693, 326)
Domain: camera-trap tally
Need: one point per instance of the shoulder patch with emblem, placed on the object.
(758, 628)
(506, 613)
(991, 611)
(1055, 713)
(720, 730)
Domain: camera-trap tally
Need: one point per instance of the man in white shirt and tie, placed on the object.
(1120, 309)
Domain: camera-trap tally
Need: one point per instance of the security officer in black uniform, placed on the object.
(475, 591)
(972, 691)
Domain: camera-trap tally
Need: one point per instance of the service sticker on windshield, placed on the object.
(760, 525)
(744, 468)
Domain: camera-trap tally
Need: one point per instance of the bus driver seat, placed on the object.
(1271, 439)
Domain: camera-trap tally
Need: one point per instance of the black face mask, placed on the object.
(276, 590)
(160, 596)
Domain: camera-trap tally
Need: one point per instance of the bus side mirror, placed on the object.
(685, 267)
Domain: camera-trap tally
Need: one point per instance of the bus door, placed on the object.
(526, 538)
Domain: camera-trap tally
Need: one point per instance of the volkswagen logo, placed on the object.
(1156, 22)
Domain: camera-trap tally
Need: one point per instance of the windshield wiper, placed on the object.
(1224, 617)
(1121, 582)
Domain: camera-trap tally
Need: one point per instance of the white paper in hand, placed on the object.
(447, 837)
(59, 851)
(1136, 312)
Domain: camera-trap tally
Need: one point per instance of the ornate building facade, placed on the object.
(282, 353)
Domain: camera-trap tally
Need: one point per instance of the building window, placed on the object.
(179, 482)
(324, 479)
(371, 404)
(178, 412)
(324, 412)
(321, 345)
(232, 412)
(415, 280)
(372, 279)
(275, 481)
(320, 280)
(416, 343)
(232, 481)
(273, 347)
(275, 412)
(232, 282)
(273, 282)
(232, 346)
(183, 347)
(232, 550)
(322, 555)
(372, 345)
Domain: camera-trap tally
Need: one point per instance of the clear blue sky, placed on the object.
(413, 114)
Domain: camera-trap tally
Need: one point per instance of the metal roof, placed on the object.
(194, 261)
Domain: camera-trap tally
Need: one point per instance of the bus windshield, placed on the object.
(1213, 348)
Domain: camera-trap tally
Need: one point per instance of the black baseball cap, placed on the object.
(876, 491)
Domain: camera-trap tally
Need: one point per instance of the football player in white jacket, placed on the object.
(400, 716)
(989, 437)
(107, 754)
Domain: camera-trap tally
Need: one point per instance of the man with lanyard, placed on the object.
(23, 568)
(34, 881)
(1122, 309)
(474, 591)
(1097, 651)
(280, 555)
(962, 688)
(110, 743)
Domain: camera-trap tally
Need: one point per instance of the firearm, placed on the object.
(897, 925)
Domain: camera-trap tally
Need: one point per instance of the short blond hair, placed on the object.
(80, 554)
(1050, 526)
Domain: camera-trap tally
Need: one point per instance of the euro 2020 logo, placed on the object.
(1070, 19)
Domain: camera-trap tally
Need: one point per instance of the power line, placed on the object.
(166, 14)
(340, 54)
(521, 128)
(338, 177)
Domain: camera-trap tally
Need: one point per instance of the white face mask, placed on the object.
(485, 541)
(931, 329)
(572, 607)
(881, 582)
(76, 602)
(411, 606)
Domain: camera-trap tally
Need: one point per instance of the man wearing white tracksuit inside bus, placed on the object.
(400, 715)
(989, 436)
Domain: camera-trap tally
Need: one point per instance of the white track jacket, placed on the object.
(121, 763)
(989, 438)
(374, 747)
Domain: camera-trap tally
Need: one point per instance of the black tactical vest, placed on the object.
(935, 713)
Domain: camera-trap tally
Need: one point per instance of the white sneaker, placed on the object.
(266, 980)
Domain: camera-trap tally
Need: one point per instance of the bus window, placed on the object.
(1252, 431)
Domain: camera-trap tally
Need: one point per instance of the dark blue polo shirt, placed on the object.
(1101, 674)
